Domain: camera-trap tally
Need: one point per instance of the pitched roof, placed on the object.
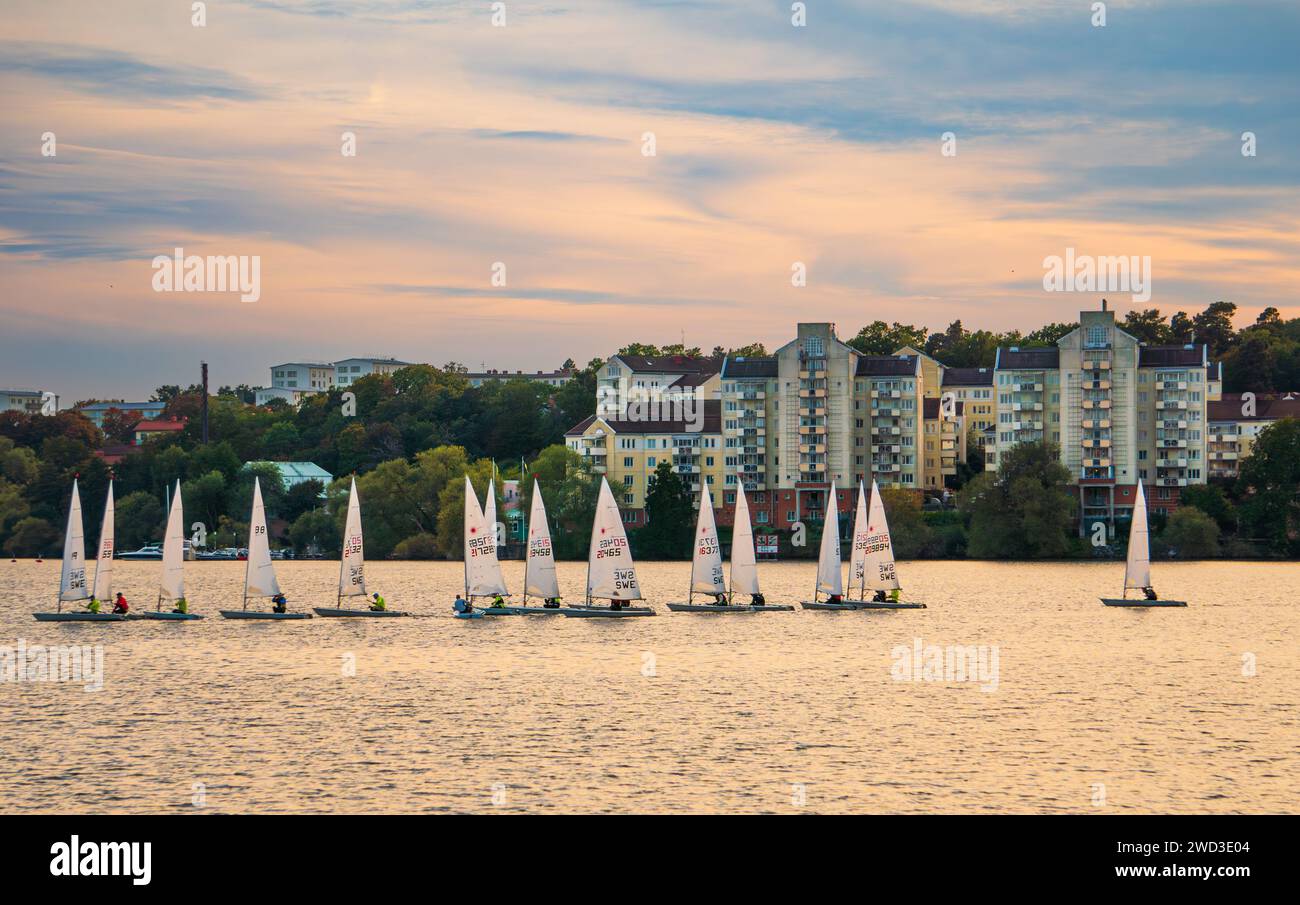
(712, 423)
(1267, 408)
(1036, 359)
(1189, 355)
(739, 367)
(671, 364)
(968, 377)
(930, 408)
(888, 366)
(158, 426)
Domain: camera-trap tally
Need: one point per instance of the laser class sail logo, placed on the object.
(214, 273)
(1085, 273)
(103, 859)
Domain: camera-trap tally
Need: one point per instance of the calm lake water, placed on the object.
(1090, 709)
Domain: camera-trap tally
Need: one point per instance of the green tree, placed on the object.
(1213, 326)
(1192, 533)
(1148, 326)
(451, 507)
(670, 517)
(315, 531)
(908, 532)
(1268, 487)
(33, 537)
(879, 338)
(139, 520)
(1023, 510)
(1210, 499)
(418, 546)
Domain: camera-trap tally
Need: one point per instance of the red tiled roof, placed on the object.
(159, 426)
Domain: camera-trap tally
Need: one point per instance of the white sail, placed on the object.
(482, 570)
(352, 561)
(539, 568)
(744, 567)
(72, 582)
(490, 508)
(858, 549)
(173, 561)
(830, 579)
(610, 572)
(879, 569)
(104, 560)
(259, 579)
(706, 558)
(1137, 571)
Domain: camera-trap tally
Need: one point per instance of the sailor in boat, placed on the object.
(616, 604)
(92, 605)
(835, 598)
(1150, 593)
(882, 597)
(719, 599)
(120, 606)
(551, 603)
(281, 604)
(757, 599)
(182, 606)
(462, 605)
(498, 601)
(379, 604)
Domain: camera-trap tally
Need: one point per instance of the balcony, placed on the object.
(1180, 462)
(812, 411)
(812, 447)
(1173, 443)
(1096, 444)
(885, 467)
(1223, 456)
(1096, 424)
(885, 429)
(1096, 405)
(1096, 463)
(1171, 385)
(1096, 362)
(886, 394)
(1096, 384)
(1026, 406)
(812, 374)
(751, 395)
(812, 430)
(1029, 387)
(1173, 425)
(1171, 404)
(818, 393)
(1027, 425)
(886, 413)
(886, 448)
(1171, 482)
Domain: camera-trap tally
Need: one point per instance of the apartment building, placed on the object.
(669, 378)
(627, 452)
(350, 370)
(945, 440)
(27, 401)
(1235, 421)
(556, 378)
(973, 388)
(96, 411)
(1121, 412)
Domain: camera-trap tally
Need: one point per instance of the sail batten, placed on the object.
(830, 579)
(104, 557)
(259, 578)
(72, 579)
(539, 568)
(706, 557)
(744, 565)
(173, 561)
(1137, 568)
(352, 561)
(610, 571)
(482, 569)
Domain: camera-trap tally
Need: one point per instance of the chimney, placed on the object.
(1104, 305)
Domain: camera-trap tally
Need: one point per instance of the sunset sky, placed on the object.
(523, 145)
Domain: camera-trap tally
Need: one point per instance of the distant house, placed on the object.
(96, 411)
(551, 378)
(113, 453)
(295, 473)
(29, 401)
(350, 370)
(148, 429)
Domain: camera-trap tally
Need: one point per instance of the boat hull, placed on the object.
(522, 611)
(772, 608)
(709, 608)
(335, 611)
(811, 605)
(1119, 601)
(888, 605)
(257, 614)
(604, 612)
(477, 614)
(169, 617)
(79, 617)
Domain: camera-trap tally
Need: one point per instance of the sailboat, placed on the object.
(172, 587)
(539, 566)
(1137, 569)
(352, 566)
(483, 576)
(744, 564)
(72, 579)
(259, 575)
(706, 566)
(830, 579)
(610, 573)
(872, 561)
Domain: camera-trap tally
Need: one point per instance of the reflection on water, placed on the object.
(1094, 709)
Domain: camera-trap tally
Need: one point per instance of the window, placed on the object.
(1096, 336)
(627, 461)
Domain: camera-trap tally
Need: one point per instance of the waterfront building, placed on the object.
(557, 378)
(349, 370)
(145, 411)
(1235, 421)
(24, 400)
